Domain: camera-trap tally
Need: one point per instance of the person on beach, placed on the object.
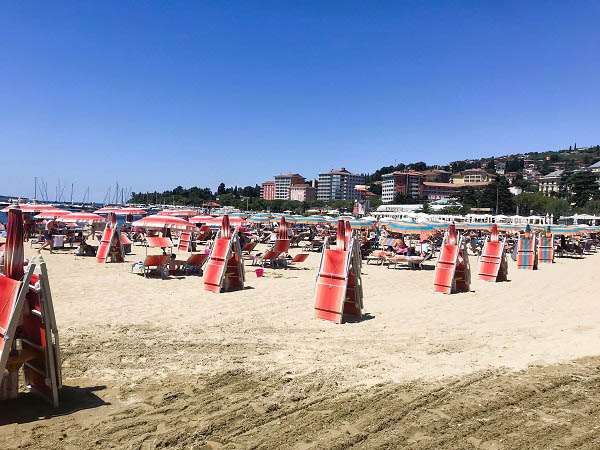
(92, 234)
(27, 222)
(48, 235)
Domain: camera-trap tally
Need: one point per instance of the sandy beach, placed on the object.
(162, 363)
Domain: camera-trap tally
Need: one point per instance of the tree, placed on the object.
(582, 187)
(221, 189)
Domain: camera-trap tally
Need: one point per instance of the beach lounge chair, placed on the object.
(225, 269)
(247, 249)
(527, 253)
(270, 256)
(299, 258)
(411, 261)
(185, 244)
(452, 271)
(195, 262)
(492, 262)
(111, 245)
(377, 257)
(338, 291)
(546, 249)
(152, 263)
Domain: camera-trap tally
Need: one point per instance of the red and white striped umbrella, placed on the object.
(13, 252)
(200, 219)
(178, 212)
(82, 217)
(106, 209)
(51, 214)
(218, 221)
(33, 207)
(132, 211)
(158, 222)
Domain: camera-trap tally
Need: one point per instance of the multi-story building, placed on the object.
(471, 176)
(409, 183)
(439, 191)
(303, 193)
(283, 184)
(267, 190)
(550, 183)
(338, 185)
(437, 175)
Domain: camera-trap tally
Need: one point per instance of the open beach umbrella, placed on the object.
(132, 211)
(178, 212)
(313, 220)
(32, 207)
(13, 252)
(158, 222)
(81, 217)
(473, 226)
(360, 224)
(106, 209)
(51, 214)
(200, 219)
(218, 221)
(259, 219)
(408, 227)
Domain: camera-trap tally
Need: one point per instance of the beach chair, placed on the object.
(270, 256)
(452, 271)
(527, 252)
(204, 235)
(377, 257)
(492, 261)
(338, 289)
(546, 250)
(152, 263)
(247, 249)
(299, 258)
(195, 262)
(111, 245)
(282, 244)
(185, 244)
(225, 270)
(410, 261)
(127, 243)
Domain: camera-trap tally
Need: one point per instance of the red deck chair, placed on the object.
(546, 249)
(224, 270)
(299, 258)
(338, 291)
(204, 234)
(269, 256)
(196, 260)
(526, 251)
(492, 262)
(184, 244)
(152, 263)
(247, 249)
(452, 271)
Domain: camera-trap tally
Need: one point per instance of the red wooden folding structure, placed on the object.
(33, 344)
(493, 265)
(338, 291)
(111, 245)
(452, 270)
(527, 251)
(204, 234)
(282, 244)
(185, 244)
(225, 269)
(546, 248)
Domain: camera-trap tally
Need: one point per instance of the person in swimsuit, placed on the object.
(48, 236)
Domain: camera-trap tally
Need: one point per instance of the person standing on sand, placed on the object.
(48, 235)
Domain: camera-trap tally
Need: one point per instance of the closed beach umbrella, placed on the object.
(13, 252)
(82, 217)
(157, 222)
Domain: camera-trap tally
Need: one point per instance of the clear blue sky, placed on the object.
(160, 94)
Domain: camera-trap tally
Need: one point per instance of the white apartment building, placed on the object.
(338, 185)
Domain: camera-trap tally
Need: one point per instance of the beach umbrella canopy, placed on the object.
(315, 220)
(259, 219)
(200, 219)
(106, 209)
(178, 212)
(408, 227)
(158, 222)
(32, 207)
(361, 224)
(218, 221)
(474, 226)
(51, 214)
(132, 211)
(82, 217)
(13, 252)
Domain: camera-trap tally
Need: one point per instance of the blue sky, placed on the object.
(160, 94)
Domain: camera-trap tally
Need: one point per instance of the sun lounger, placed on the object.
(270, 256)
(152, 263)
(184, 244)
(412, 261)
(376, 257)
(299, 258)
(247, 249)
(338, 291)
(195, 262)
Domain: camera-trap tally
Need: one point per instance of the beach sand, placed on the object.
(162, 363)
